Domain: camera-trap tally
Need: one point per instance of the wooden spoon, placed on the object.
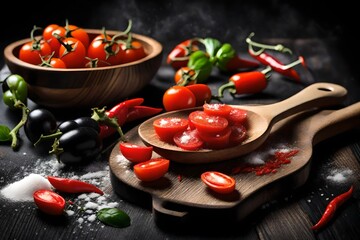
(261, 118)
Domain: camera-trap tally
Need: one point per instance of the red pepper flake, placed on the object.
(271, 165)
(179, 178)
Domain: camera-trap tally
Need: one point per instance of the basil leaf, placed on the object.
(113, 217)
(4, 134)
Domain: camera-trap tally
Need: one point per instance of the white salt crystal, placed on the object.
(24, 189)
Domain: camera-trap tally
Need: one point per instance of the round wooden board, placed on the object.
(182, 184)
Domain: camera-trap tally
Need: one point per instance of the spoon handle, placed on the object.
(316, 95)
(329, 123)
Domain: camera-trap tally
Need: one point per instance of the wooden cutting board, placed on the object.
(181, 196)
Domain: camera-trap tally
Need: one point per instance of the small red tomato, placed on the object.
(49, 202)
(202, 93)
(207, 123)
(166, 128)
(218, 182)
(218, 109)
(78, 33)
(132, 52)
(237, 116)
(135, 153)
(51, 34)
(31, 52)
(178, 97)
(73, 53)
(179, 55)
(184, 76)
(216, 140)
(152, 169)
(188, 140)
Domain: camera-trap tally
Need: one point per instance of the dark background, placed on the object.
(170, 21)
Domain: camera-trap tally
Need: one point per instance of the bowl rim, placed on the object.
(156, 46)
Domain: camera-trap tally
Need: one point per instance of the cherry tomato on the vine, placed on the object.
(52, 62)
(78, 33)
(185, 76)
(135, 153)
(178, 97)
(152, 169)
(73, 53)
(51, 34)
(179, 55)
(218, 182)
(133, 51)
(105, 50)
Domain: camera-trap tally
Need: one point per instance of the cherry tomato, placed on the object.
(73, 53)
(105, 50)
(78, 33)
(208, 123)
(238, 134)
(218, 182)
(218, 109)
(136, 153)
(132, 52)
(51, 34)
(31, 52)
(166, 128)
(49, 202)
(216, 140)
(52, 62)
(185, 76)
(237, 116)
(178, 97)
(152, 169)
(188, 140)
(202, 93)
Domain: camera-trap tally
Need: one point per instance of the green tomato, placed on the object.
(14, 89)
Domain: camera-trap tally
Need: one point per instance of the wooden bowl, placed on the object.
(86, 87)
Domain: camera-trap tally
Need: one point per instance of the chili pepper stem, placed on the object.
(278, 47)
(13, 133)
(100, 116)
(296, 62)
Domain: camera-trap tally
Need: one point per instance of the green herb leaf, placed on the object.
(5, 134)
(113, 217)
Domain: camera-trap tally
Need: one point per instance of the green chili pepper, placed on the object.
(114, 217)
(212, 46)
(15, 90)
(199, 61)
(225, 53)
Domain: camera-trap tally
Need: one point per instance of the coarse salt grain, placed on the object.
(24, 189)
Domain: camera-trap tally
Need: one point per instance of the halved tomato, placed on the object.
(218, 182)
(166, 128)
(188, 140)
(207, 123)
(135, 153)
(152, 169)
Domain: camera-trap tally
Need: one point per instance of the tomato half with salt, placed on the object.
(218, 182)
(167, 127)
(216, 140)
(207, 123)
(188, 140)
(152, 169)
(218, 109)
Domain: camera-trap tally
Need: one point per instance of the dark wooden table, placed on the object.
(288, 216)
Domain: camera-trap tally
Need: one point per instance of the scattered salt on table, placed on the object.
(23, 189)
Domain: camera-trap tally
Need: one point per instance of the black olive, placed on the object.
(39, 121)
(88, 122)
(79, 146)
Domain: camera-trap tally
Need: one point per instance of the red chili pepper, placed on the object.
(332, 207)
(73, 185)
(138, 112)
(237, 63)
(269, 60)
(111, 121)
(246, 82)
(179, 56)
